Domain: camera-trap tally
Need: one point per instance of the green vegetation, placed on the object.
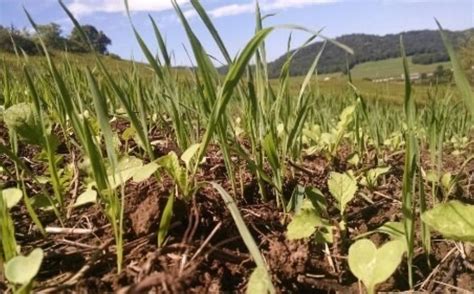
(424, 46)
(159, 178)
(391, 68)
(17, 41)
(116, 66)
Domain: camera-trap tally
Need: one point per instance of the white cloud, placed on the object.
(84, 7)
(283, 4)
(232, 9)
(266, 5)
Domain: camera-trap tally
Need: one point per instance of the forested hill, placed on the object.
(425, 46)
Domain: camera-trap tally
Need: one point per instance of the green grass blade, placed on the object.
(100, 105)
(148, 55)
(459, 75)
(205, 66)
(166, 219)
(161, 42)
(317, 33)
(212, 29)
(310, 74)
(78, 26)
(58, 194)
(243, 230)
(409, 174)
(124, 100)
(25, 169)
(31, 211)
(232, 79)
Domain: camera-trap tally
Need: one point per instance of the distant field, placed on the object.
(391, 67)
(15, 64)
(373, 70)
(388, 68)
(392, 92)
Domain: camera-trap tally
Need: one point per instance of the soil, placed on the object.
(204, 252)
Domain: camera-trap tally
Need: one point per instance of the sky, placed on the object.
(235, 20)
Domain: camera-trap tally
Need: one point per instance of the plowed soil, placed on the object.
(204, 252)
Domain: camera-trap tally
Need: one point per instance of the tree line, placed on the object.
(425, 46)
(15, 40)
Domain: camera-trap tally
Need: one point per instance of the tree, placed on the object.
(442, 75)
(466, 53)
(426, 44)
(51, 35)
(99, 40)
(12, 39)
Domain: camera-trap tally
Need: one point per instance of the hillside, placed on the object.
(424, 46)
(391, 67)
(116, 66)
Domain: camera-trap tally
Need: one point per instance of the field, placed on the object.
(386, 68)
(15, 63)
(391, 68)
(136, 178)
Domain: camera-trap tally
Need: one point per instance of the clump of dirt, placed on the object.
(145, 215)
(286, 258)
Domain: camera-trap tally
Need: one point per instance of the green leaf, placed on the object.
(166, 220)
(346, 116)
(259, 282)
(306, 222)
(318, 199)
(144, 172)
(129, 134)
(210, 26)
(342, 187)
(410, 167)
(432, 176)
(125, 170)
(324, 234)
(161, 43)
(396, 230)
(459, 75)
(373, 174)
(12, 196)
(22, 269)
(245, 234)
(296, 200)
(269, 146)
(236, 70)
(21, 118)
(447, 180)
(170, 163)
(373, 266)
(188, 155)
(88, 196)
(354, 159)
(303, 224)
(454, 220)
(100, 105)
(42, 202)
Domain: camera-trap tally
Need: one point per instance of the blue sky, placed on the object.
(235, 19)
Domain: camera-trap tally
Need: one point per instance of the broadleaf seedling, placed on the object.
(373, 265)
(452, 219)
(343, 188)
(308, 222)
(21, 270)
